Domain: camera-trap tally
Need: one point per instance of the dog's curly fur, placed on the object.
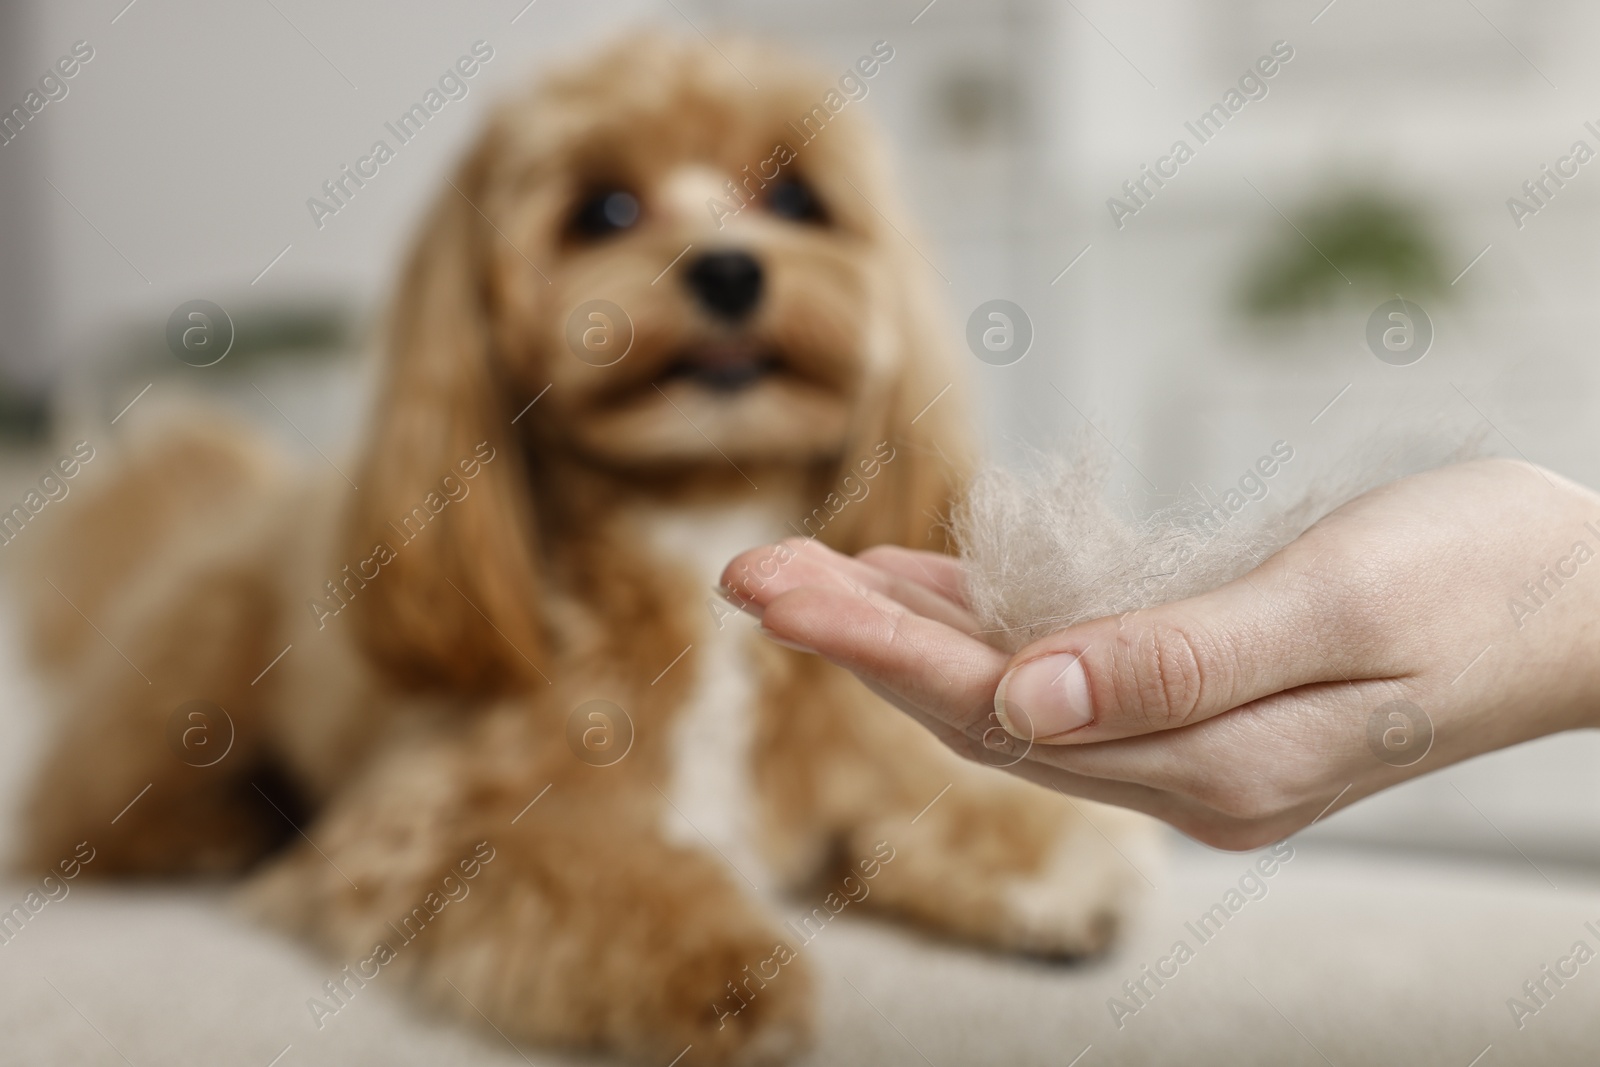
(420, 709)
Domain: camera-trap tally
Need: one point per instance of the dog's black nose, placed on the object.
(728, 284)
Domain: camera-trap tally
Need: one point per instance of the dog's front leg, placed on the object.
(950, 843)
(505, 880)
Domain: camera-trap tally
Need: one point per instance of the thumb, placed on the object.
(1176, 664)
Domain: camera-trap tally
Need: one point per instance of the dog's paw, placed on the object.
(1084, 892)
(998, 863)
(734, 1000)
(669, 965)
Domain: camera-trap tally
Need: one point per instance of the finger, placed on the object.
(893, 651)
(925, 664)
(756, 577)
(1273, 786)
(943, 574)
(1183, 662)
(1292, 742)
(977, 747)
(944, 678)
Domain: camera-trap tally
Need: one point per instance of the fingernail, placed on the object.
(1044, 697)
(784, 641)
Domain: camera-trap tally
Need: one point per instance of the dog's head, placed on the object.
(685, 276)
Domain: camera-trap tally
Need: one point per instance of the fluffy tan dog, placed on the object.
(518, 750)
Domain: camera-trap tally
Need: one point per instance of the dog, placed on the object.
(475, 714)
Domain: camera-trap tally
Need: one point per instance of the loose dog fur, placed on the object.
(501, 565)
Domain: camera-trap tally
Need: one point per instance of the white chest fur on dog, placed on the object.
(711, 788)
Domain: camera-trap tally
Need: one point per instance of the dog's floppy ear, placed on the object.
(457, 604)
(916, 414)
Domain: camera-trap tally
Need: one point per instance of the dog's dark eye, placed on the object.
(793, 199)
(605, 212)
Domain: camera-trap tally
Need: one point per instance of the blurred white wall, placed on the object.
(24, 270)
(191, 141)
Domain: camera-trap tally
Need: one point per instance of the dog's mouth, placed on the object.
(723, 366)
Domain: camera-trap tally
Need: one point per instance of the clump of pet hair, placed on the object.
(1047, 546)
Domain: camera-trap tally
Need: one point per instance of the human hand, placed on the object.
(1246, 713)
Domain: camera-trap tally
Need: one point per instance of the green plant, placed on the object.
(1351, 242)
